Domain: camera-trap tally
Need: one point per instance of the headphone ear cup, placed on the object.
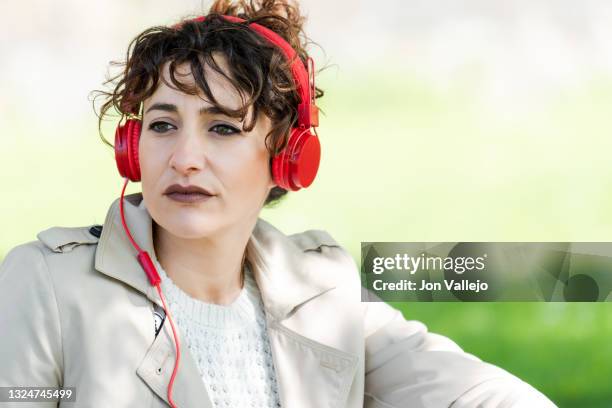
(306, 158)
(126, 149)
(296, 166)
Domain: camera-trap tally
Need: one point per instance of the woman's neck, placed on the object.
(210, 270)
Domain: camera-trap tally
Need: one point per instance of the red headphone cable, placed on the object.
(147, 265)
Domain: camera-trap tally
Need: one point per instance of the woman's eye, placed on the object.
(163, 127)
(224, 129)
(159, 127)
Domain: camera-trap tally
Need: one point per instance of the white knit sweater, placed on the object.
(229, 343)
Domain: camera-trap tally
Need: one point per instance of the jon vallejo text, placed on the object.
(412, 265)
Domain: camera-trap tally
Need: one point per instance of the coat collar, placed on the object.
(279, 265)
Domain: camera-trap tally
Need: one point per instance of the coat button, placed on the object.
(96, 231)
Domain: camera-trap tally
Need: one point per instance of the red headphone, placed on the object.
(295, 167)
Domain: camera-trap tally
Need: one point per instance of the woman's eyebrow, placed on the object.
(169, 107)
(166, 107)
(212, 110)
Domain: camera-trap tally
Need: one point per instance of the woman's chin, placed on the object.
(187, 226)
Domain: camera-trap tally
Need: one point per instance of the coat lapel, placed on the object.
(309, 372)
(156, 370)
(115, 255)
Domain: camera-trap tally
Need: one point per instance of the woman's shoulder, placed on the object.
(311, 240)
(38, 259)
(323, 253)
(65, 239)
(323, 245)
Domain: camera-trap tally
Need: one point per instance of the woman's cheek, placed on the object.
(246, 182)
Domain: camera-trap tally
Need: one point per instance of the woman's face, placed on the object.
(182, 143)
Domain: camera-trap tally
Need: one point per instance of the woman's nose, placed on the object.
(189, 154)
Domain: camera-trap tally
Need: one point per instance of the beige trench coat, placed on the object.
(77, 310)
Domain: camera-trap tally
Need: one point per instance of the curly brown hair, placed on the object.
(258, 69)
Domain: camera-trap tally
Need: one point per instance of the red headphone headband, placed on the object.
(308, 113)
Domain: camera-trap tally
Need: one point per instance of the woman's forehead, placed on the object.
(220, 87)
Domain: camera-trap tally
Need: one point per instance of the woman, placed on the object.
(215, 108)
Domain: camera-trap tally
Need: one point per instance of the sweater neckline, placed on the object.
(246, 309)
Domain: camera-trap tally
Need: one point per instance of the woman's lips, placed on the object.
(189, 197)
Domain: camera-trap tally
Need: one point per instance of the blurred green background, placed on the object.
(450, 122)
